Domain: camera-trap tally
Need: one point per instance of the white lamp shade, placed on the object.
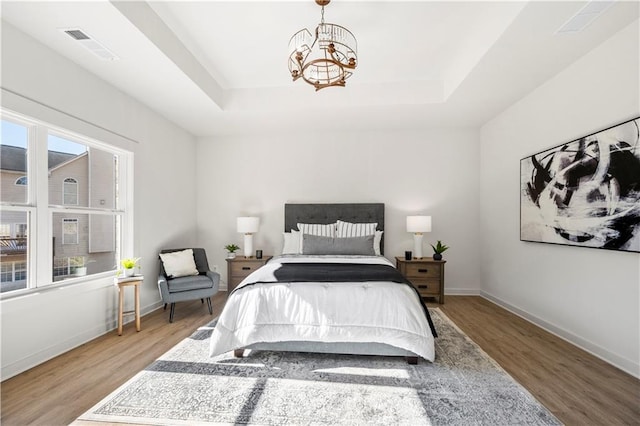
(248, 225)
(418, 224)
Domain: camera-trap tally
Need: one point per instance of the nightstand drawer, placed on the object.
(422, 270)
(242, 269)
(427, 287)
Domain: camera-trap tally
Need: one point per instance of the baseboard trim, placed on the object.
(73, 342)
(462, 291)
(626, 365)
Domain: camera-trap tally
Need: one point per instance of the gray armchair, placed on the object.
(202, 286)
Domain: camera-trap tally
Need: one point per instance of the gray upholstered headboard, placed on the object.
(329, 213)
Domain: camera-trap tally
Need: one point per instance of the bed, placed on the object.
(354, 303)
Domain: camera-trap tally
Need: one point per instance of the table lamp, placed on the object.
(248, 226)
(418, 225)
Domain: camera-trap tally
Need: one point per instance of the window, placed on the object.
(70, 192)
(21, 230)
(6, 272)
(60, 268)
(68, 267)
(69, 231)
(87, 225)
(80, 209)
(14, 151)
(13, 275)
(20, 271)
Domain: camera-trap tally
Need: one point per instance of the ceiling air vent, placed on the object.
(77, 34)
(585, 16)
(90, 43)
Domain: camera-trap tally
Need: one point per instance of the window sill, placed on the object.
(86, 283)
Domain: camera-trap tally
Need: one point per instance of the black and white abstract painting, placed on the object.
(585, 192)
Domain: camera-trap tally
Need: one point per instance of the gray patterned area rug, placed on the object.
(463, 386)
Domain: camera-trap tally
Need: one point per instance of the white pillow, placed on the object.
(328, 230)
(292, 242)
(179, 263)
(348, 229)
(376, 242)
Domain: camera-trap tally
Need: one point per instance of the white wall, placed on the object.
(588, 296)
(39, 326)
(433, 172)
(436, 172)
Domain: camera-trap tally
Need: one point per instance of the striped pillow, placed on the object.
(348, 229)
(318, 229)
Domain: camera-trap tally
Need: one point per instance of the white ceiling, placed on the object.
(220, 67)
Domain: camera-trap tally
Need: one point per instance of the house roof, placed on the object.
(14, 158)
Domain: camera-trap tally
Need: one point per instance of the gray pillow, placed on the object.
(313, 244)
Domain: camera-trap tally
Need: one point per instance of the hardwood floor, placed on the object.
(577, 387)
(60, 390)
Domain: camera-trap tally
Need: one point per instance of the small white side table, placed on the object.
(123, 282)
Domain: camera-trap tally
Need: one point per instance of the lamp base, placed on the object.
(417, 245)
(248, 245)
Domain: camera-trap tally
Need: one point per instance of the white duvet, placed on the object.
(381, 312)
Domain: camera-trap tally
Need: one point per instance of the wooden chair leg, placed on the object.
(171, 312)
(209, 306)
(165, 306)
(238, 353)
(202, 300)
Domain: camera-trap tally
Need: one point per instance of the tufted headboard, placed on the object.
(329, 213)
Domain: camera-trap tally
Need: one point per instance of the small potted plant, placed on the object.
(438, 249)
(231, 248)
(78, 266)
(128, 264)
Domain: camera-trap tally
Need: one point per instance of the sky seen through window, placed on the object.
(16, 135)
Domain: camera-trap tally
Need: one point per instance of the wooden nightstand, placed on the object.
(426, 274)
(239, 267)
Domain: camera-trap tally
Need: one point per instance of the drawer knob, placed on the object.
(424, 271)
(423, 286)
(246, 268)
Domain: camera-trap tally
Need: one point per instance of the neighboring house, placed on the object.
(80, 244)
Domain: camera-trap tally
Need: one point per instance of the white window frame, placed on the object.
(40, 212)
(68, 183)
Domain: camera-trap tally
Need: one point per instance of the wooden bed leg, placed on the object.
(238, 353)
(412, 360)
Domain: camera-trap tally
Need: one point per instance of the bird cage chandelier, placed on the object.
(326, 60)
